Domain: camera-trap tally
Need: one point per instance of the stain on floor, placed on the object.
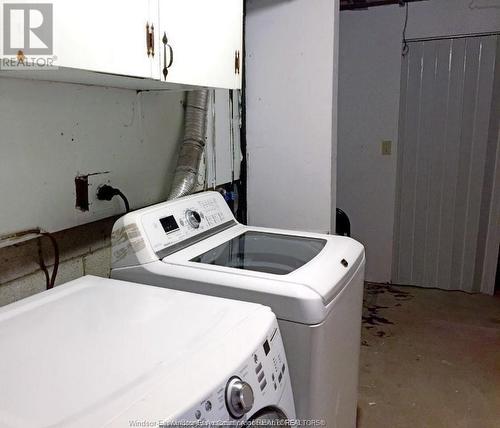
(429, 359)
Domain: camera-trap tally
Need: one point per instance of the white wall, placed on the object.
(291, 105)
(52, 132)
(369, 86)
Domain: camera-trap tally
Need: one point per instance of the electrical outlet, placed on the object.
(88, 205)
(386, 147)
(97, 208)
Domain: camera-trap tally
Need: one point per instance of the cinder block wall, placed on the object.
(84, 250)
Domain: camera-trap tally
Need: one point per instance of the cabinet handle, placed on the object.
(148, 40)
(236, 62)
(166, 65)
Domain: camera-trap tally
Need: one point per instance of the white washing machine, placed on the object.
(313, 283)
(104, 353)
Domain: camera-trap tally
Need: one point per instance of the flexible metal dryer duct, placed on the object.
(193, 144)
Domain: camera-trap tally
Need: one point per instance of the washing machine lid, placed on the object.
(75, 356)
(258, 251)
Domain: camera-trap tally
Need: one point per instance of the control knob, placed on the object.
(193, 218)
(239, 397)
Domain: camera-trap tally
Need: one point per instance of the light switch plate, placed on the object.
(386, 147)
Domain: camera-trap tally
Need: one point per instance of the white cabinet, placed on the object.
(200, 42)
(91, 35)
(105, 36)
(144, 44)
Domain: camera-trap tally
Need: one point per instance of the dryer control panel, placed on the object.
(261, 382)
(174, 224)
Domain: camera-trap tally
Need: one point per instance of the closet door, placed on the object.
(444, 119)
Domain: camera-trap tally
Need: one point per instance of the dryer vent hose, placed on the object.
(193, 144)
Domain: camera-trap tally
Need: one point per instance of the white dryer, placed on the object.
(313, 283)
(104, 353)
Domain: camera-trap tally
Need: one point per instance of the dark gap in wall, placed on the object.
(82, 192)
(241, 214)
(497, 278)
(365, 4)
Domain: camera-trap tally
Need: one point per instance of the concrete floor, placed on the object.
(429, 358)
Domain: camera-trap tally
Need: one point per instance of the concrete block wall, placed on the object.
(84, 250)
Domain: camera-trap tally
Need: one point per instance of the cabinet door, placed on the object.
(200, 42)
(104, 36)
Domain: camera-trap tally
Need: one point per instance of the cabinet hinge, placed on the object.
(150, 39)
(152, 42)
(237, 62)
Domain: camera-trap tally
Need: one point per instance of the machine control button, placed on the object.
(239, 397)
(193, 218)
(208, 406)
(197, 414)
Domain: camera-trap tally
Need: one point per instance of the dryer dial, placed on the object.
(193, 218)
(239, 397)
